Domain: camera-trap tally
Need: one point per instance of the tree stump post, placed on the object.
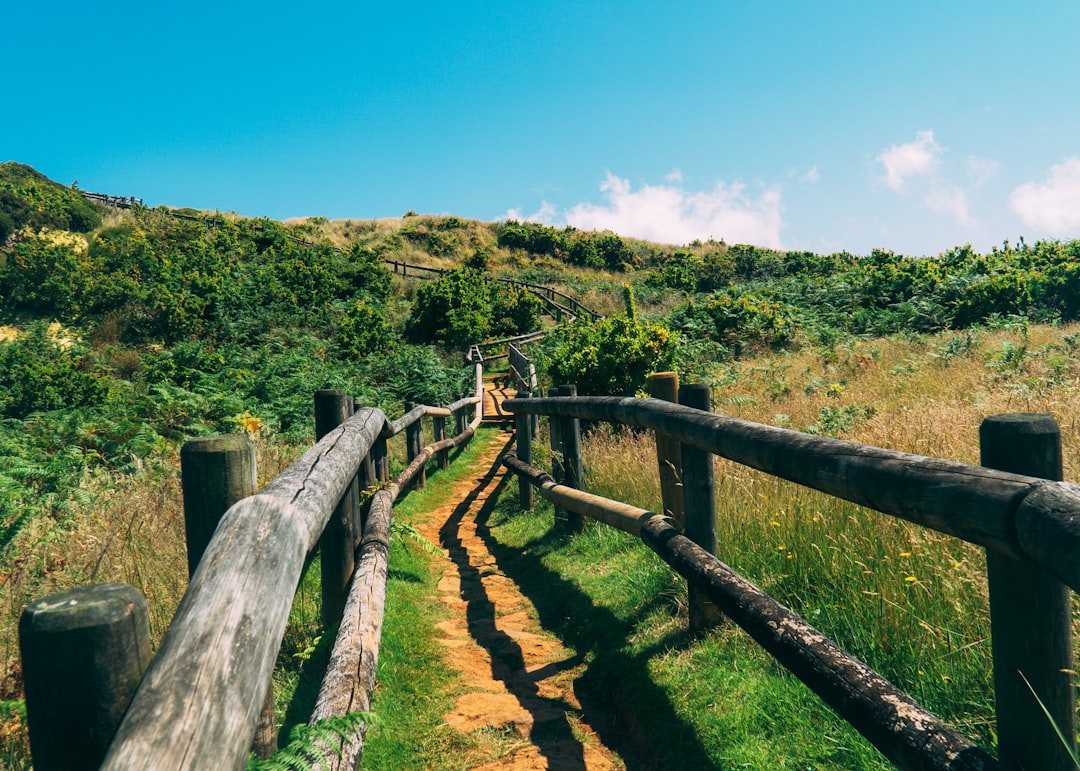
(216, 472)
(573, 470)
(1030, 614)
(337, 554)
(84, 652)
(699, 504)
(460, 422)
(438, 433)
(523, 427)
(414, 443)
(365, 478)
(665, 385)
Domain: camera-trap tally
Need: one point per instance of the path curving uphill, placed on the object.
(518, 678)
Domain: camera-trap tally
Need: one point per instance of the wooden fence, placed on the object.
(559, 305)
(204, 698)
(1014, 505)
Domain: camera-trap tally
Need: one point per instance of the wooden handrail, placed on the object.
(1022, 517)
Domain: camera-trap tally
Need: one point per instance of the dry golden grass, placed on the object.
(131, 532)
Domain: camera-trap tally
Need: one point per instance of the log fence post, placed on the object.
(573, 470)
(665, 385)
(1030, 614)
(438, 433)
(699, 504)
(336, 544)
(84, 652)
(555, 441)
(523, 427)
(365, 478)
(459, 418)
(215, 473)
(414, 443)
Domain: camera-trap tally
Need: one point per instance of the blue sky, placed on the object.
(914, 126)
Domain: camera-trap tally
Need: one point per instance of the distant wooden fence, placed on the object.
(559, 305)
(203, 701)
(1029, 525)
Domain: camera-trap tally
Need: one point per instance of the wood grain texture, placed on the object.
(84, 652)
(979, 505)
(198, 704)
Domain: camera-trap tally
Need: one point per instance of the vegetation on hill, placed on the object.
(124, 333)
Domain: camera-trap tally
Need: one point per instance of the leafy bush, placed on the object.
(613, 356)
(363, 329)
(462, 307)
(29, 198)
(38, 373)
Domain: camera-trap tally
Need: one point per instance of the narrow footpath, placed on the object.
(519, 678)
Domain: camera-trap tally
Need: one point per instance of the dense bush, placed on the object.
(612, 356)
(39, 372)
(28, 198)
(462, 307)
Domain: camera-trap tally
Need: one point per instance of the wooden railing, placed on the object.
(203, 698)
(1029, 525)
(558, 305)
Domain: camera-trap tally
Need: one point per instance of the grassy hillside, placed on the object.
(123, 333)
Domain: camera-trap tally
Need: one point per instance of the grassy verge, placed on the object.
(416, 687)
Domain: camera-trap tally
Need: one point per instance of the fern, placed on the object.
(311, 746)
(409, 532)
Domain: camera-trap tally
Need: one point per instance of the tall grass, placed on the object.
(910, 602)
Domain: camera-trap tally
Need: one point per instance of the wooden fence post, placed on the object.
(523, 427)
(665, 385)
(460, 421)
(365, 478)
(215, 473)
(1030, 615)
(84, 652)
(699, 504)
(336, 549)
(438, 433)
(414, 443)
(555, 441)
(573, 470)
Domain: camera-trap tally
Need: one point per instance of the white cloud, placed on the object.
(1053, 205)
(952, 201)
(918, 158)
(981, 170)
(546, 213)
(674, 177)
(811, 176)
(671, 214)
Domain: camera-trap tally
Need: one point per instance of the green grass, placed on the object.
(680, 701)
(416, 687)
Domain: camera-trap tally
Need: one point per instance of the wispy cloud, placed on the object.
(981, 170)
(1051, 206)
(952, 201)
(546, 214)
(918, 158)
(671, 214)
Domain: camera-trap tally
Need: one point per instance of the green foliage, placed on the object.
(30, 199)
(462, 307)
(688, 272)
(38, 373)
(314, 745)
(739, 320)
(589, 250)
(363, 329)
(613, 356)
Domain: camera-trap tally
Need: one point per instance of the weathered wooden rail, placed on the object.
(1029, 525)
(203, 698)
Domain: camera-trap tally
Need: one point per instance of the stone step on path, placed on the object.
(519, 680)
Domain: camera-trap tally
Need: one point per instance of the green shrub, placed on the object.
(39, 373)
(363, 329)
(612, 356)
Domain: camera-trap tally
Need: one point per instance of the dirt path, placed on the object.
(519, 678)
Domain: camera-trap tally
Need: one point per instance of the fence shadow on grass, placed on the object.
(649, 737)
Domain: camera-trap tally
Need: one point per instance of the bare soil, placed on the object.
(518, 678)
